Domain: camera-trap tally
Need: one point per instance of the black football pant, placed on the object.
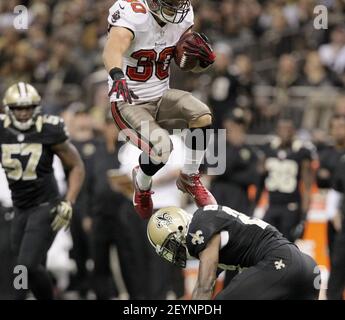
(146, 275)
(284, 273)
(283, 219)
(80, 253)
(336, 282)
(121, 228)
(7, 263)
(107, 233)
(31, 238)
(331, 234)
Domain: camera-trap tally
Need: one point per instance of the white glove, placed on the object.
(63, 215)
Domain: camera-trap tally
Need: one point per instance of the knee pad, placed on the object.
(161, 155)
(161, 147)
(151, 164)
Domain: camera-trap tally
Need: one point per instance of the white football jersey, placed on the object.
(146, 64)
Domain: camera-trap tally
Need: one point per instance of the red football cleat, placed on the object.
(142, 200)
(192, 185)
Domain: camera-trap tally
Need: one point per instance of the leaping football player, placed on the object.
(140, 46)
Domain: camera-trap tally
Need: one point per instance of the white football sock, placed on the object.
(192, 161)
(143, 180)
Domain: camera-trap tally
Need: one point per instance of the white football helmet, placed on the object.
(22, 95)
(167, 231)
(172, 11)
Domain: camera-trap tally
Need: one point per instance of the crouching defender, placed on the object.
(270, 267)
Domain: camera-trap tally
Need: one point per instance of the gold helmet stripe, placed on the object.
(22, 89)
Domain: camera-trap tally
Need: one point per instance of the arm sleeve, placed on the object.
(55, 132)
(123, 14)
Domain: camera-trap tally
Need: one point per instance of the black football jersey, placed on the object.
(245, 240)
(27, 158)
(329, 159)
(283, 171)
(87, 150)
(106, 202)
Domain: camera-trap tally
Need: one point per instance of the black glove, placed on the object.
(201, 49)
(120, 86)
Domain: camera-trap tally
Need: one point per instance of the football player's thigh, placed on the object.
(138, 124)
(17, 230)
(289, 220)
(38, 237)
(255, 283)
(273, 216)
(178, 108)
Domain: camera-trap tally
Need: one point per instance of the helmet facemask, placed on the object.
(20, 125)
(172, 11)
(174, 250)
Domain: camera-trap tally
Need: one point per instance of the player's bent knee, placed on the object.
(161, 158)
(202, 121)
(161, 153)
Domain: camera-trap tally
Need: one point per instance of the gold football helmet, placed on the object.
(18, 96)
(167, 230)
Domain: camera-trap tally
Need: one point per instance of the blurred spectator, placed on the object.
(247, 79)
(287, 73)
(314, 73)
(112, 224)
(231, 188)
(340, 105)
(329, 159)
(82, 137)
(336, 209)
(333, 53)
(224, 85)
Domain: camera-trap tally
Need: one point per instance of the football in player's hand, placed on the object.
(185, 62)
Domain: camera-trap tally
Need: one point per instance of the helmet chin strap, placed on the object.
(23, 126)
(158, 15)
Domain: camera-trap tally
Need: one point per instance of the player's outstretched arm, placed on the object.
(118, 41)
(207, 270)
(71, 160)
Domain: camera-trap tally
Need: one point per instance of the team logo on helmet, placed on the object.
(163, 220)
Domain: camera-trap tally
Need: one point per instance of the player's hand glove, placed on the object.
(120, 86)
(201, 49)
(63, 215)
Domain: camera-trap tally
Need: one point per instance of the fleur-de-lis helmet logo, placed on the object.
(163, 220)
